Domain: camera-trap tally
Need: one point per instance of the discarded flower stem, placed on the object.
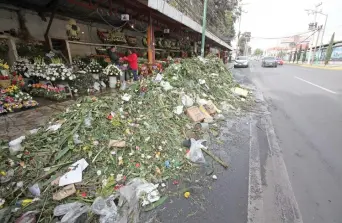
(215, 158)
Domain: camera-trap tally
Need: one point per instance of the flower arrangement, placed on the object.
(17, 80)
(4, 75)
(112, 70)
(94, 67)
(38, 68)
(78, 63)
(82, 83)
(58, 71)
(48, 91)
(22, 67)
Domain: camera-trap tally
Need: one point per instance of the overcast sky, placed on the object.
(271, 18)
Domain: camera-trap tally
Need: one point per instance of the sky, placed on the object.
(272, 18)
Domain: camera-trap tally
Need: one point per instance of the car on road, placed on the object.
(269, 62)
(280, 61)
(241, 61)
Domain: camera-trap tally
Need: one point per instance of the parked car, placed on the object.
(241, 61)
(280, 61)
(269, 62)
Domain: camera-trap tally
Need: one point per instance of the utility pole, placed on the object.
(315, 25)
(204, 24)
(314, 50)
(325, 24)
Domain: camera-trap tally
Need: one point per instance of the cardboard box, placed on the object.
(195, 114)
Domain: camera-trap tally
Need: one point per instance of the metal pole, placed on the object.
(325, 24)
(314, 50)
(204, 23)
(313, 37)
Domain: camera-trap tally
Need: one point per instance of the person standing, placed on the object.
(113, 56)
(132, 60)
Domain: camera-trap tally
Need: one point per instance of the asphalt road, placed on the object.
(306, 112)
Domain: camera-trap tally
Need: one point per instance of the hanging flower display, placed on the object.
(94, 67)
(73, 30)
(112, 70)
(58, 71)
(22, 67)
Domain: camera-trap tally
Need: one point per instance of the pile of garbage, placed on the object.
(105, 157)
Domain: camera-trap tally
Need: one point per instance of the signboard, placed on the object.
(124, 17)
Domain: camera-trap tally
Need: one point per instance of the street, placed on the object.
(306, 112)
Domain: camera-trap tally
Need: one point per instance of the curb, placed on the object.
(316, 67)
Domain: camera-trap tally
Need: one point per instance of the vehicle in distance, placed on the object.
(280, 61)
(241, 61)
(269, 62)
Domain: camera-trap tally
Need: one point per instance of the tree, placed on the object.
(242, 44)
(329, 50)
(304, 54)
(258, 52)
(294, 56)
(299, 52)
(290, 58)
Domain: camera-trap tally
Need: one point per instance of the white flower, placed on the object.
(47, 78)
(63, 78)
(75, 90)
(53, 79)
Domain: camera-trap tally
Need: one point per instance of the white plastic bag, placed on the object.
(187, 100)
(71, 211)
(195, 154)
(158, 78)
(165, 85)
(15, 145)
(106, 208)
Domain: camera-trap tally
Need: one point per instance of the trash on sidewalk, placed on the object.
(214, 177)
(195, 114)
(15, 145)
(75, 173)
(107, 209)
(35, 190)
(64, 192)
(71, 212)
(116, 143)
(126, 97)
(178, 110)
(195, 154)
(187, 194)
(54, 127)
(241, 92)
(27, 217)
(187, 101)
(7, 176)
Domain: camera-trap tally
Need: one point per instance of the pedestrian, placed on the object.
(113, 56)
(132, 60)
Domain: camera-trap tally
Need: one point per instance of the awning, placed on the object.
(163, 7)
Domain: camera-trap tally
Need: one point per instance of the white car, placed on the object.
(241, 61)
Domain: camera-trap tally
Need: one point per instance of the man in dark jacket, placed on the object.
(113, 56)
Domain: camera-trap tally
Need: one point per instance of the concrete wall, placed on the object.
(37, 28)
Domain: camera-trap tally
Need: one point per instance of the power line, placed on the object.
(283, 37)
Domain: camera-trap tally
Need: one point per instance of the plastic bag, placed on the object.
(106, 208)
(195, 154)
(158, 78)
(123, 86)
(87, 120)
(76, 139)
(15, 145)
(35, 190)
(71, 211)
(187, 100)
(165, 85)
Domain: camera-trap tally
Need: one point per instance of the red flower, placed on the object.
(137, 165)
(84, 194)
(118, 186)
(109, 117)
(175, 182)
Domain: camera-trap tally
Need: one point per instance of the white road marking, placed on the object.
(323, 88)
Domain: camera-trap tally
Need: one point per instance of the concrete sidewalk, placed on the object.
(319, 66)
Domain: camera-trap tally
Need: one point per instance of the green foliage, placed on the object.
(329, 50)
(294, 56)
(304, 54)
(290, 57)
(258, 52)
(299, 53)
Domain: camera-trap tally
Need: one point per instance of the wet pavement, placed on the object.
(16, 124)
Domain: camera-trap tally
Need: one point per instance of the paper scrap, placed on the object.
(65, 192)
(75, 173)
(116, 143)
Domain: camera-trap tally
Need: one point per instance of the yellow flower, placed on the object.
(6, 66)
(187, 194)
